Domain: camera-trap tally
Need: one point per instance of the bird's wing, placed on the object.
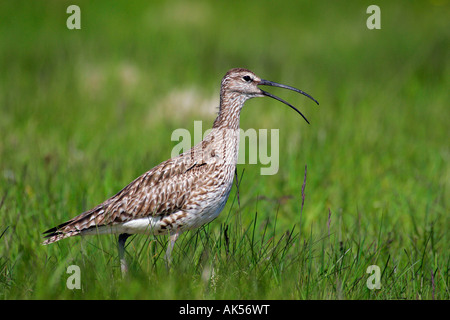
(160, 191)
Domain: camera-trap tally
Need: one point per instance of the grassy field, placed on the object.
(84, 112)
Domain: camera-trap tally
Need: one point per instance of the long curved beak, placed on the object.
(274, 84)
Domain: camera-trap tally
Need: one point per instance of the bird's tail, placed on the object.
(73, 227)
(58, 235)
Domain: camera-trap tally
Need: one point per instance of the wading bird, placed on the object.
(184, 192)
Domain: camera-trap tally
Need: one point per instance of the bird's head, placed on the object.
(246, 83)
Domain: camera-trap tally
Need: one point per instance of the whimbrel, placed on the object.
(184, 192)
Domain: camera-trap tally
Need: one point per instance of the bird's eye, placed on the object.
(247, 78)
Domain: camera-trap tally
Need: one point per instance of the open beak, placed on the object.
(274, 84)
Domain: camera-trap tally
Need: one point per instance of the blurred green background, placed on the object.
(83, 112)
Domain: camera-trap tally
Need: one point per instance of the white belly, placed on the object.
(177, 221)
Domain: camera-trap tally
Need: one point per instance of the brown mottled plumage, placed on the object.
(181, 193)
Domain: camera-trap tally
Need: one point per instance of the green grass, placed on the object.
(85, 112)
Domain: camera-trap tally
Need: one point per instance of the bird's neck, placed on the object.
(230, 110)
(224, 136)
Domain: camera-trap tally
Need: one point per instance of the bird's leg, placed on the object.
(121, 246)
(168, 257)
